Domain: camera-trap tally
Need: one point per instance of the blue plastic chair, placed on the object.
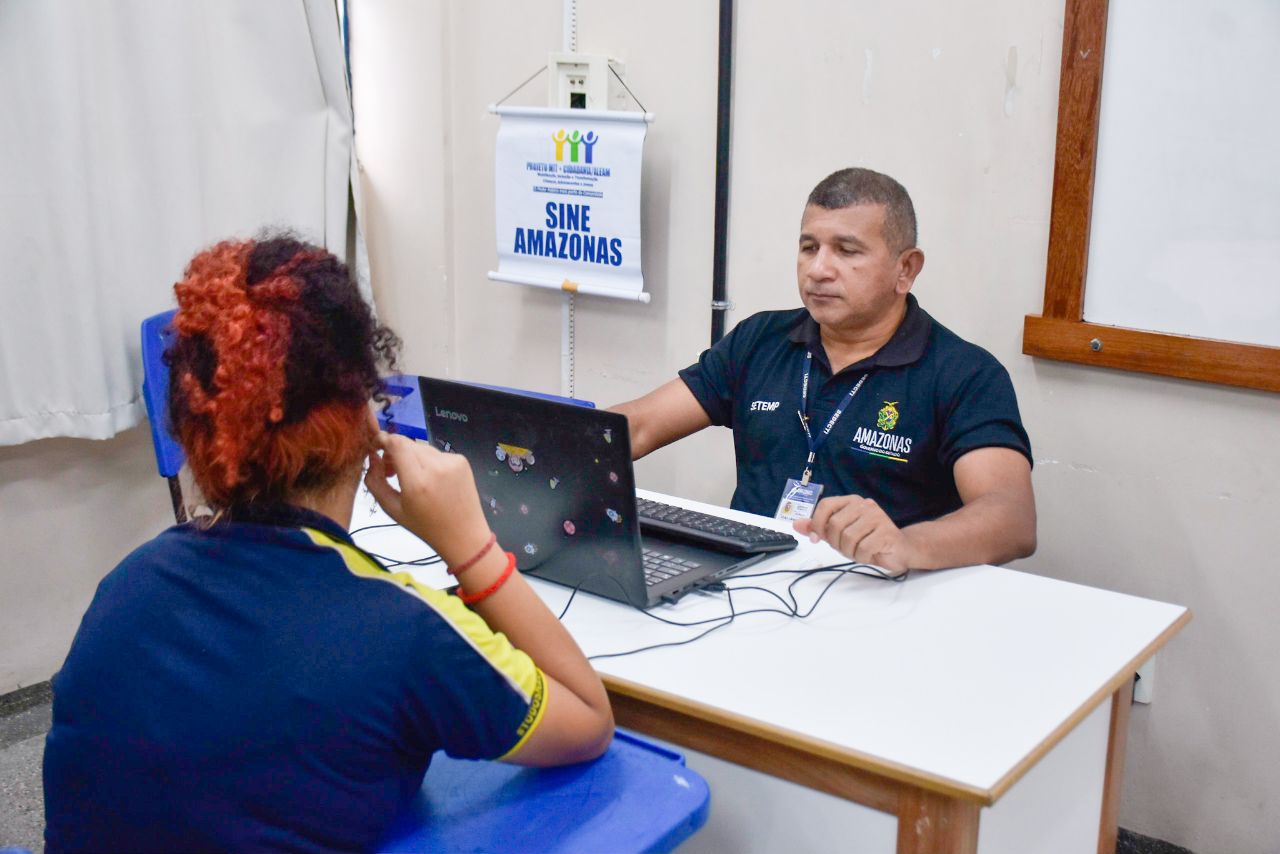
(405, 415)
(156, 335)
(638, 797)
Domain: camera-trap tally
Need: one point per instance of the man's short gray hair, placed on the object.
(858, 186)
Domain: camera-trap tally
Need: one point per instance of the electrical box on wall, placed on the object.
(1145, 685)
(578, 81)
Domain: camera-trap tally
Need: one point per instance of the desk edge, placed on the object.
(897, 772)
(798, 743)
(1073, 720)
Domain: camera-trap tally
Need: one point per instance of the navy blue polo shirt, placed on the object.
(929, 398)
(261, 684)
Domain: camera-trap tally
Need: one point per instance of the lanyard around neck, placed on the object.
(816, 442)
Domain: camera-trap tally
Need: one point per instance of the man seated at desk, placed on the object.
(859, 416)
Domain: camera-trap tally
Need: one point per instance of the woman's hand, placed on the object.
(437, 498)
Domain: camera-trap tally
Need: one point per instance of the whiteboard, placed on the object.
(1186, 210)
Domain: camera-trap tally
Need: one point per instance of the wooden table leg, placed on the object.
(929, 823)
(1121, 703)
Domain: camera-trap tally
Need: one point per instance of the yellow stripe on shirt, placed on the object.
(514, 665)
(537, 705)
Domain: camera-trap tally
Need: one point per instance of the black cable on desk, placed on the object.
(787, 609)
(364, 528)
(791, 609)
(388, 562)
(721, 623)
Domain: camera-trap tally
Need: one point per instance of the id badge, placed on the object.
(798, 500)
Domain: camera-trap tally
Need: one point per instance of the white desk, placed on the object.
(928, 700)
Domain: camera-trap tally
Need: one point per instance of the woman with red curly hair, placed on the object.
(252, 680)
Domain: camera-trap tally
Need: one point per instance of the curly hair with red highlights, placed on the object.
(274, 361)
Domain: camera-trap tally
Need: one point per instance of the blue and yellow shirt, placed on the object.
(263, 684)
(929, 398)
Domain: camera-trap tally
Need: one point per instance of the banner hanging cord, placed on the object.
(531, 77)
(527, 81)
(628, 88)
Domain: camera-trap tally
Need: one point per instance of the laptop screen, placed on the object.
(555, 481)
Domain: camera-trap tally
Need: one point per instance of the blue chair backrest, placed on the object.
(156, 336)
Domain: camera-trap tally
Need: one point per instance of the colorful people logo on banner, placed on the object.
(575, 139)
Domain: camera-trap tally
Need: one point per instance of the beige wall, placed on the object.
(1148, 486)
(1154, 487)
(69, 510)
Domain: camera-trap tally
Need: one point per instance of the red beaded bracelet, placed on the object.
(473, 598)
(484, 550)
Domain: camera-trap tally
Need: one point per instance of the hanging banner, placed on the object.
(568, 200)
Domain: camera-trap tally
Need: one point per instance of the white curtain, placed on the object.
(133, 133)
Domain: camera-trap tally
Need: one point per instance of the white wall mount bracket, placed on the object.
(578, 81)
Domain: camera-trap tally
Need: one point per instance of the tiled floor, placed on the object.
(24, 720)
(1134, 843)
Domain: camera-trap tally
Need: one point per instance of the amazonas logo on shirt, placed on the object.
(880, 442)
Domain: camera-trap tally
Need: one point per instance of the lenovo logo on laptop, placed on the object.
(450, 414)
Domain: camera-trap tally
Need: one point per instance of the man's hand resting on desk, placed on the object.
(996, 524)
(860, 530)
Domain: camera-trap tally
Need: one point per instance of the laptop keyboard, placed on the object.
(712, 532)
(659, 566)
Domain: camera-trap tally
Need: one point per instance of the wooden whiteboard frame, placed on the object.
(1061, 332)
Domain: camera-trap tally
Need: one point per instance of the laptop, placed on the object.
(557, 486)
